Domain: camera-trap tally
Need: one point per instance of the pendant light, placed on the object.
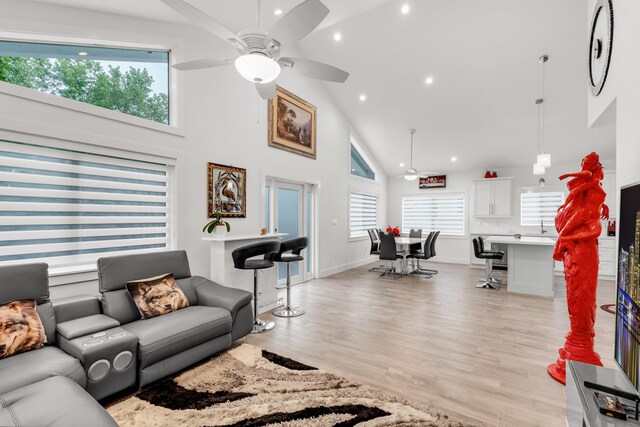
(543, 159)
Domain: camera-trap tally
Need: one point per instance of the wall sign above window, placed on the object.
(600, 45)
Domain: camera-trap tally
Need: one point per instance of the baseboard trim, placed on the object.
(344, 267)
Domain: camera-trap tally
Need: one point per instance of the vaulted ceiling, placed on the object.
(482, 56)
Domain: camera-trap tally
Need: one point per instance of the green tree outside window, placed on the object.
(88, 81)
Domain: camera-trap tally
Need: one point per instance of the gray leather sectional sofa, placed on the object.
(96, 348)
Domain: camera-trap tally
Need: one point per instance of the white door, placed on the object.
(289, 208)
(501, 198)
(482, 199)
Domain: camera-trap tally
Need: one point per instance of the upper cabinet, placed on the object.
(492, 198)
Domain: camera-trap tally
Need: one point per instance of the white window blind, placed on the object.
(540, 206)
(444, 213)
(363, 213)
(69, 208)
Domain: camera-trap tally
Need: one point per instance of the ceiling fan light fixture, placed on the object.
(411, 177)
(257, 68)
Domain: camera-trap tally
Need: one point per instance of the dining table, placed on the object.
(403, 244)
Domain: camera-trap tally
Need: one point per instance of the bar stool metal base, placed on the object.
(288, 311)
(488, 285)
(260, 326)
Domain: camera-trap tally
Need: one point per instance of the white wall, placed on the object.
(221, 119)
(456, 249)
(620, 98)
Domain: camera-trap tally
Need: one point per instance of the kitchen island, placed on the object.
(530, 264)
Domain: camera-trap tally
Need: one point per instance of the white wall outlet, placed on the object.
(334, 221)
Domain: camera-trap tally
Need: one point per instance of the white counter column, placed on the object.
(530, 264)
(224, 273)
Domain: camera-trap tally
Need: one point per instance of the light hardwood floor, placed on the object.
(478, 353)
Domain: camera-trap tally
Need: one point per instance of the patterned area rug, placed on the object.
(246, 386)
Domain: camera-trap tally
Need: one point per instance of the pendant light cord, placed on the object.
(542, 111)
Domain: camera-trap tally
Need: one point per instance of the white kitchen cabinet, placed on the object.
(607, 255)
(492, 198)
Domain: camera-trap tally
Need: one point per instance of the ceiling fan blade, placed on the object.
(316, 70)
(299, 22)
(201, 63)
(266, 90)
(426, 174)
(205, 21)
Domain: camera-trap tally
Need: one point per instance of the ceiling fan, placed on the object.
(260, 61)
(412, 174)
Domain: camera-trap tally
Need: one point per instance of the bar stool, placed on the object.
(295, 246)
(241, 261)
(489, 281)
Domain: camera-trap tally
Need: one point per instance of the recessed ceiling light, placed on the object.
(277, 12)
(337, 37)
(401, 165)
(363, 97)
(82, 54)
(429, 80)
(454, 159)
(405, 9)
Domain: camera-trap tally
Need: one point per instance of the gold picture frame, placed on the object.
(292, 124)
(227, 191)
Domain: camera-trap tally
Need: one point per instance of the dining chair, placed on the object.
(415, 234)
(432, 253)
(423, 254)
(388, 252)
(375, 248)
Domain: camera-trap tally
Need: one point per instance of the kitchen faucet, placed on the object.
(542, 230)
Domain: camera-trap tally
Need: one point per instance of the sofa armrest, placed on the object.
(212, 294)
(75, 328)
(75, 307)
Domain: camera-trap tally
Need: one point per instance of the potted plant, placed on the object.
(212, 226)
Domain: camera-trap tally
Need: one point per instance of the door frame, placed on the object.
(311, 186)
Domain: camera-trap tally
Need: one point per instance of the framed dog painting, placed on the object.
(292, 124)
(227, 191)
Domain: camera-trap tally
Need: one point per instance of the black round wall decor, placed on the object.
(600, 45)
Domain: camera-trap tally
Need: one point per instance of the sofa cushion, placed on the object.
(33, 366)
(53, 402)
(114, 272)
(20, 328)
(157, 295)
(164, 336)
(25, 281)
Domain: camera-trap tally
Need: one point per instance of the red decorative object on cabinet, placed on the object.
(578, 225)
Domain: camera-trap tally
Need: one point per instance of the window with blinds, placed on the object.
(540, 206)
(363, 213)
(444, 213)
(69, 208)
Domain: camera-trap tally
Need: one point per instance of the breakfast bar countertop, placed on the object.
(524, 240)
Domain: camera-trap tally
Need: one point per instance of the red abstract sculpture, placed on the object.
(578, 225)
